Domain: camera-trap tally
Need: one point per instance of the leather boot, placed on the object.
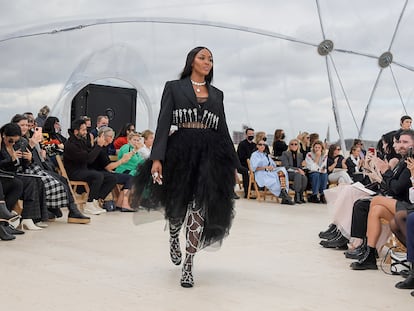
(324, 234)
(302, 199)
(408, 283)
(12, 230)
(367, 262)
(322, 199)
(314, 199)
(339, 241)
(297, 198)
(285, 197)
(4, 235)
(75, 216)
(358, 252)
(4, 212)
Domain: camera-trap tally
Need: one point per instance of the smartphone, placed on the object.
(410, 152)
(371, 150)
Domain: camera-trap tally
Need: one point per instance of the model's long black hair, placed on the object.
(189, 61)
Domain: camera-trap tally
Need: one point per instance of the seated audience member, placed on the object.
(408, 283)
(10, 190)
(53, 140)
(103, 164)
(134, 145)
(122, 137)
(13, 161)
(279, 144)
(380, 208)
(354, 165)
(42, 116)
(358, 143)
(55, 190)
(244, 151)
(77, 156)
(292, 160)
(351, 205)
(316, 163)
(266, 174)
(30, 122)
(262, 136)
(337, 169)
(313, 137)
(405, 123)
(304, 143)
(100, 122)
(145, 150)
(89, 137)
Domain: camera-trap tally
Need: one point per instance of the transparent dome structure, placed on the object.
(338, 68)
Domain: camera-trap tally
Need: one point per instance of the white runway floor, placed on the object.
(270, 261)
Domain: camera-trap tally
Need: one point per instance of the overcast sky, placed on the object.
(268, 82)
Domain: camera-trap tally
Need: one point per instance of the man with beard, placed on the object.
(77, 156)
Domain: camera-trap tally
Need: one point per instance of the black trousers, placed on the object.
(11, 190)
(244, 171)
(100, 182)
(360, 218)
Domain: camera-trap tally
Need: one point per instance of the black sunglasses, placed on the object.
(261, 144)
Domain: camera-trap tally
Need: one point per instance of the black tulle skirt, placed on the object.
(198, 168)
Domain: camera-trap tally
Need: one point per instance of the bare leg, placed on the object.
(195, 225)
(381, 207)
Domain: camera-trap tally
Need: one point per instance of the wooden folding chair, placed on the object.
(80, 199)
(260, 194)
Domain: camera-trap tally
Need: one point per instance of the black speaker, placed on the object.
(118, 103)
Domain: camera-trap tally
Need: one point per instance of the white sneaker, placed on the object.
(91, 209)
(98, 206)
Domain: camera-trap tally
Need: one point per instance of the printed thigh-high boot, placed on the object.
(195, 225)
(175, 251)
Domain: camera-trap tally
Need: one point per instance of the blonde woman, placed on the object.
(262, 136)
(316, 162)
(304, 143)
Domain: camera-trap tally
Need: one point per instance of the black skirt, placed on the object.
(199, 167)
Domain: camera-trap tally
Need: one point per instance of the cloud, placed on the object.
(269, 83)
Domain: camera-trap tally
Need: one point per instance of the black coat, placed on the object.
(179, 94)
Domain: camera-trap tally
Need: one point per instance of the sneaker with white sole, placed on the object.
(91, 209)
(98, 206)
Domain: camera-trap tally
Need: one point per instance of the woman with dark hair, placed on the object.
(192, 161)
(55, 190)
(53, 140)
(14, 160)
(279, 144)
(337, 169)
(122, 137)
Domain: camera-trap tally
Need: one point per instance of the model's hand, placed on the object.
(156, 172)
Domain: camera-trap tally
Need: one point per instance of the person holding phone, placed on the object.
(193, 167)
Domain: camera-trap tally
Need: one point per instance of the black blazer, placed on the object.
(179, 94)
